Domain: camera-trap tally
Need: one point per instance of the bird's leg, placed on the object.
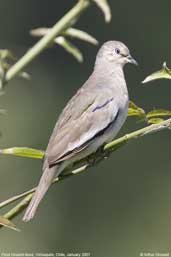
(98, 156)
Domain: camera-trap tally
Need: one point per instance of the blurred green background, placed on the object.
(123, 206)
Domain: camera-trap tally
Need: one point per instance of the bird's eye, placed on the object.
(117, 51)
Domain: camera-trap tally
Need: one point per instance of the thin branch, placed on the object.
(67, 20)
(86, 163)
(26, 193)
(16, 197)
(18, 208)
(166, 124)
(29, 194)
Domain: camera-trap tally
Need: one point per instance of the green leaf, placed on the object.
(70, 48)
(24, 75)
(23, 152)
(7, 223)
(39, 32)
(135, 110)
(155, 120)
(164, 73)
(104, 6)
(6, 60)
(158, 113)
(79, 34)
(71, 32)
(6, 54)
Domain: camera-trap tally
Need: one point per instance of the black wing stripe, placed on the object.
(103, 105)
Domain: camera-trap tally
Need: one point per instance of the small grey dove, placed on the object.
(92, 117)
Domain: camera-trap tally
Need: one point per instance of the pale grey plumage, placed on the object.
(91, 118)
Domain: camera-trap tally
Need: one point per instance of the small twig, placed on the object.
(29, 194)
(44, 42)
(15, 198)
(166, 124)
(86, 163)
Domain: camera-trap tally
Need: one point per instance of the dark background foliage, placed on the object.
(123, 206)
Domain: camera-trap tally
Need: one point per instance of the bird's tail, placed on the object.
(44, 184)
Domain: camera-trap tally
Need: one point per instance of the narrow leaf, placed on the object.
(24, 75)
(39, 32)
(23, 152)
(70, 48)
(164, 73)
(155, 120)
(79, 34)
(6, 60)
(71, 32)
(6, 54)
(158, 112)
(135, 110)
(7, 223)
(104, 6)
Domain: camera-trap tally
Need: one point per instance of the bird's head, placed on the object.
(115, 53)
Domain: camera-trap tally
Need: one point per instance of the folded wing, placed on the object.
(79, 123)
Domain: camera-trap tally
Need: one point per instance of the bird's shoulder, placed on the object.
(91, 91)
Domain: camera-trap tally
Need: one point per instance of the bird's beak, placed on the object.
(131, 60)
